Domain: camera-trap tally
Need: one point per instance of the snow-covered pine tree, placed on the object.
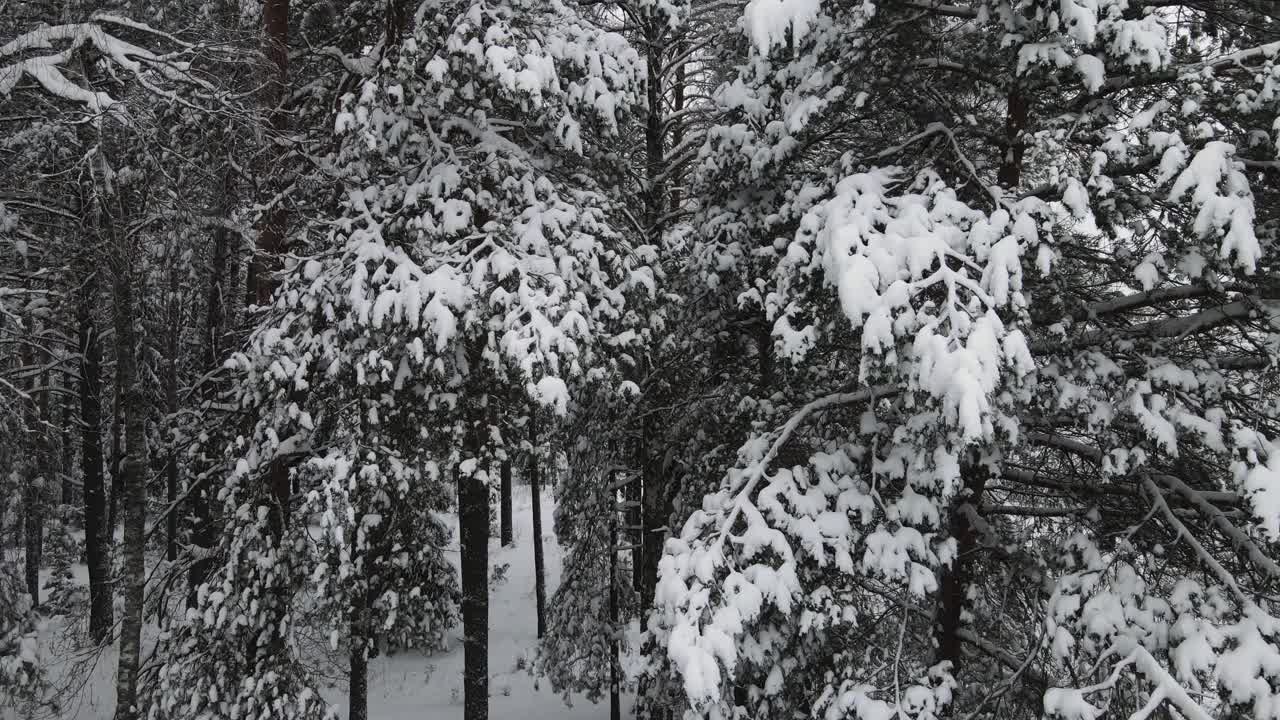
(493, 237)
(609, 443)
(579, 653)
(1022, 258)
(474, 252)
(22, 676)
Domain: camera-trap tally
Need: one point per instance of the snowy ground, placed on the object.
(412, 685)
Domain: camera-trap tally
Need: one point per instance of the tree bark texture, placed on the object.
(473, 512)
(132, 475)
(535, 490)
(358, 682)
(97, 549)
(273, 226)
(953, 588)
(34, 535)
(117, 462)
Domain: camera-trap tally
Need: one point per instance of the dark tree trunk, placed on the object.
(39, 466)
(654, 133)
(358, 695)
(202, 526)
(504, 504)
(171, 465)
(132, 482)
(633, 495)
(34, 531)
(615, 704)
(653, 512)
(473, 514)
(65, 466)
(97, 549)
(1010, 174)
(358, 701)
(640, 556)
(175, 319)
(216, 302)
(171, 520)
(677, 104)
(272, 229)
(535, 490)
(117, 462)
(955, 580)
(274, 225)
(659, 195)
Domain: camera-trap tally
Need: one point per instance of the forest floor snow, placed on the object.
(421, 686)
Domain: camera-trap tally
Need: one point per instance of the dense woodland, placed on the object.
(882, 359)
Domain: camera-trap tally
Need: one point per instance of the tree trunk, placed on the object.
(117, 462)
(133, 485)
(615, 705)
(504, 504)
(261, 283)
(274, 225)
(68, 494)
(954, 584)
(216, 326)
(1010, 173)
(654, 134)
(97, 549)
(171, 465)
(37, 466)
(34, 531)
(662, 193)
(358, 695)
(171, 520)
(358, 700)
(171, 405)
(677, 105)
(473, 515)
(653, 514)
(535, 490)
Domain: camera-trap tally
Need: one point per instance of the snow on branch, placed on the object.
(1071, 703)
(1208, 559)
(757, 470)
(48, 69)
(1180, 327)
(45, 70)
(1240, 540)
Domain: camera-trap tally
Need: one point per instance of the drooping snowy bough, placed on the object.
(1022, 257)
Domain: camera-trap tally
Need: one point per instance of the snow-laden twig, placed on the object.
(137, 60)
(1208, 559)
(758, 469)
(948, 9)
(1143, 299)
(1239, 539)
(1165, 686)
(1176, 327)
(1065, 443)
(1018, 671)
